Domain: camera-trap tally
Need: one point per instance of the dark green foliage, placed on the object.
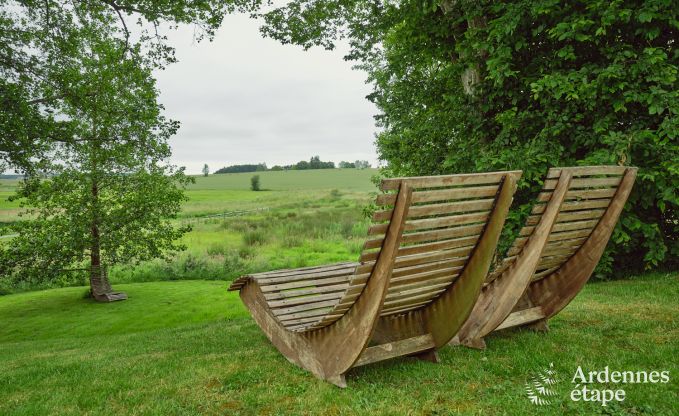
(254, 183)
(242, 168)
(99, 192)
(39, 47)
(479, 86)
(314, 163)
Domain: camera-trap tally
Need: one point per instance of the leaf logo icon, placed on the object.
(539, 386)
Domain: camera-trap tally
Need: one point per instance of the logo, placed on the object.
(540, 387)
(598, 386)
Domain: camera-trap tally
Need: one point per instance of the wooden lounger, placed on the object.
(420, 272)
(556, 251)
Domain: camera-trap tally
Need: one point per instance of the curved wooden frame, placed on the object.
(535, 302)
(329, 352)
(558, 289)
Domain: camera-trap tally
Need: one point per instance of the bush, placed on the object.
(255, 237)
(254, 183)
(481, 86)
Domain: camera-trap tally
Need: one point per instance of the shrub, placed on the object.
(254, 183)
(254, 237)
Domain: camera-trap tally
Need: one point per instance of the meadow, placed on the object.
(190, 348)
(182, 345)
(299, 218)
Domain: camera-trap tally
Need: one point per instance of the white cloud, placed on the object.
(243, 99)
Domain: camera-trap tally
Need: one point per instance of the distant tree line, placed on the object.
(243, 168)
(314, 163)
(359, 164)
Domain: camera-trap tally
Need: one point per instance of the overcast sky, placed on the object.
(245, 99)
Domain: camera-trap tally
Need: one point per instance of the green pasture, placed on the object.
(300, 218)
(190, 348)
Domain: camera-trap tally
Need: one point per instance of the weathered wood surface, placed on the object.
(558, 289)
(499, 297)
(558, 249)
(413, 288)
(331, 351)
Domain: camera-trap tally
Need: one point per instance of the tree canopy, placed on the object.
(81, 118)
(39, 47)
(467, 86)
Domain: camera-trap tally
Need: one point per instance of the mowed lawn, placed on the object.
(190, 348)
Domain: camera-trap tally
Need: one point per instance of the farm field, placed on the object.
(300, 218)
(190, 348)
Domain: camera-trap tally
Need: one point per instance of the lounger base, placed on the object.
(475, 343)
(538, 326)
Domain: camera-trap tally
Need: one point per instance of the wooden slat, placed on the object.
(442, 195)
(588, 171)
(436, 209)
(586, 182)
(305, 314)
(432, 266)
(306, 277)
(581, 194)
(567, 235)
(547, 262)
(569, 216)
(564, 226)
(415, 259)
(559, 250)
(403, 309)
(395, 349)
(302, 270)
(575, 205)
(306, 291)
(522, 317)
(305, 307)
(303, 300)
(434, 235)
(412, 299)
(417, 293)
(540, 275)
(447, 180)
(430, 223)
(427, 247)
(422, 259)
(425, 278)
(305, 283)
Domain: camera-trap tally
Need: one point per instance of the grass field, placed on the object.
(300, 218)
(190, 348)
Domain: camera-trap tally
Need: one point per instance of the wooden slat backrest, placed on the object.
(446, 216)
(445, 220)
(589, 195)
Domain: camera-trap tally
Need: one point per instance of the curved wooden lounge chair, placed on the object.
(416, 282)
(556, 251)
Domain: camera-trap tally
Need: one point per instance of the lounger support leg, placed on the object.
(538, 326)
(500, 296)
(338, 380)
(431, 355)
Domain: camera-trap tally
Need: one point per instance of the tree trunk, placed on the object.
(100, 288)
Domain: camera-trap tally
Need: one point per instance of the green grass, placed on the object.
(349, 179)
(190, 348)
(302, 218)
